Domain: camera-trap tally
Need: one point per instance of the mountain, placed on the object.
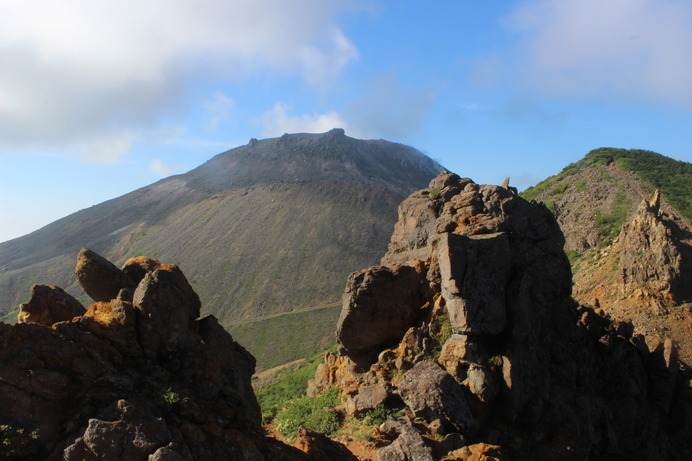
(271, 227)
(595, 196)
(466, 342)
(625, 216)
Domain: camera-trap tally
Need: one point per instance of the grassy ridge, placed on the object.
(672, 177)
(282, 338)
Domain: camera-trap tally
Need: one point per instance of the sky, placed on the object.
(99, 98)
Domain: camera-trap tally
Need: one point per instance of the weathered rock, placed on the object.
(477, 452)
(482, 381)
(367, 398)
(467, 263)
(651, 258)
(135, 381)
(167, 454)
(319, 447)
(114, 320)
(544, 377)
(99, 278)
(133, 436)
(380, 304)
(167, 307)
(409, 444)
(137, 268)
(430, 392)
(49, 304)
(457, 353)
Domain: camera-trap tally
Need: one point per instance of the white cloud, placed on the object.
(79, 68)
(107, 149)
(391, 110)
(277, 121)
(218, 110)
(158, 168)
(322, 66)
(626, 49)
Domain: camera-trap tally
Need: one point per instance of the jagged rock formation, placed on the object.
(289, 209)
(139, 376)
(48, 305)
(517, 362)
(644, 277)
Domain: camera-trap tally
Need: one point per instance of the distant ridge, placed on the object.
(269, 227)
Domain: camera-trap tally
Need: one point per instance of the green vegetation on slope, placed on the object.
(672, 177)
(315, 413)
(283, 338)
(609, 225)
(289, 383)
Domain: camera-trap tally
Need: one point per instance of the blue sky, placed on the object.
(100, 98)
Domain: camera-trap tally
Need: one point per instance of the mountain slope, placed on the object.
(264, 228)
(593, 197)
(631, 248)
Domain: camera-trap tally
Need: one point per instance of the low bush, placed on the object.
(314, 413)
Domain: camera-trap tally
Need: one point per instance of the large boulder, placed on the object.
(49, 304)
(99, 278)
(380, 305)
(367, 398)
(407, 446)
(167, 308)
(432, 393)
(127, 433)
(319, 447)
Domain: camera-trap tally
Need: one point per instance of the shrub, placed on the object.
(17, 442)
(559, 189)
(168, 400)
(377, 415)
(314, 413)
(290, 384)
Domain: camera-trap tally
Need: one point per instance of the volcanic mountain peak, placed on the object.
(330, 156)
(274, 226)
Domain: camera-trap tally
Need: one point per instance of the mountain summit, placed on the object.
(270, 227)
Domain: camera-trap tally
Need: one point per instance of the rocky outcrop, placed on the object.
(48, 305)
(477, 452)
(520, 365)
(99, 278)
(138, 376)
(653, 262)
(367, 398)
(319, 447)
(380, 304)
(643, 277)
(408, 444)
(431, 393)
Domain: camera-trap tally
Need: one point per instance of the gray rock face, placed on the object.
(131, 437)
(380, 305)
(48, 305)
(408, 446)
(432, 393)
(99, 278)
(367, 398)
(466, 264)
